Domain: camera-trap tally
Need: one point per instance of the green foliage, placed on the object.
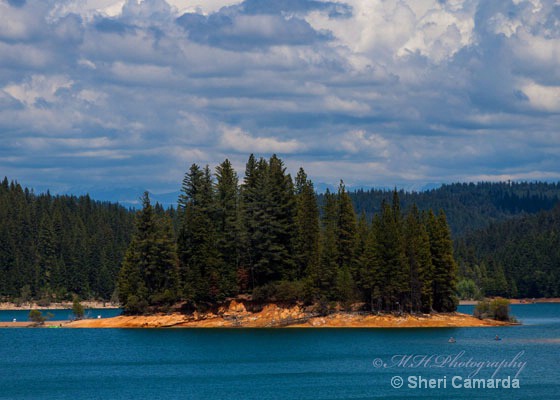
(38, 318)
(444, 264)
(59, 245)
(515, 258)
(266, 238)
(149, 274)
(497, 309)
(77, 308)
(283, 292)
(468, 206)
(394, 285)
(268, 213)
(346, 229)
(467, 290)
(419, 257)
(306, 242)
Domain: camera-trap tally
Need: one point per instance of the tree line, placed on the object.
(268, 237)
(55, 247)
(468, 206)
(514, 258)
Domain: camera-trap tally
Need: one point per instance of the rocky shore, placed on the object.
(273, 316)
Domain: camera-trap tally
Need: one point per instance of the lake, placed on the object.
(282, 363)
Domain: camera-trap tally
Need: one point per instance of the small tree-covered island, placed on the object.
(268, 239)
(265, 250)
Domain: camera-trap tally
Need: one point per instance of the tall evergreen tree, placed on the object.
(325, 279)
(281, 211)
(228, 226)
(149, 272)
(417, 247)
(393, 268)
(306, 243)
(47, 256)
(346, 229)
(445, 267)
(369, 272)
(197, 241)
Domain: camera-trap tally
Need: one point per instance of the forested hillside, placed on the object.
(52, 247)
(518, 257)
(271, 236)
(469, 206)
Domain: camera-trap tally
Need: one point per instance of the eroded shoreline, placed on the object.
(273, 316)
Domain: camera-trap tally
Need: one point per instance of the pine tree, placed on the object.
(282, 208)
(346, 229)
(417, 245)
(228, 227)
(306, 243)
(445, 267)
(370, 269)
(47, 256)
(326, 276)
(393, 269)
(197, 241)
(149, 273)
(256, 221)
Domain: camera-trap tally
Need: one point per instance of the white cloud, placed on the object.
(359, 141)
(38, 87)
(202, 6)
(142, 74)
(234, 138)
(379, 28)
(336, 104)
(545, 98)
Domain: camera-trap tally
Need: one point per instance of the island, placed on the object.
(274, 316)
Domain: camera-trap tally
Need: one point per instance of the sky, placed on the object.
(106, 96)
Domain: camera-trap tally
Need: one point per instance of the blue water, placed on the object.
(58, 314)
(273, 364)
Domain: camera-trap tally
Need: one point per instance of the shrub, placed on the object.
(283, 291)
(77, 308)
(37, 317)
(467, 290)
(135, 305)
(497, 309)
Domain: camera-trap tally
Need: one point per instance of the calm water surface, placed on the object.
(276, 364)
(58, 314)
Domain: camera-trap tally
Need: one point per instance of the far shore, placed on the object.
(516, 301)
(66, 305)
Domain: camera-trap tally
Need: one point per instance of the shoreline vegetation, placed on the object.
(236, 315)
(268, 239)
(67, 305)
(266, 246)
